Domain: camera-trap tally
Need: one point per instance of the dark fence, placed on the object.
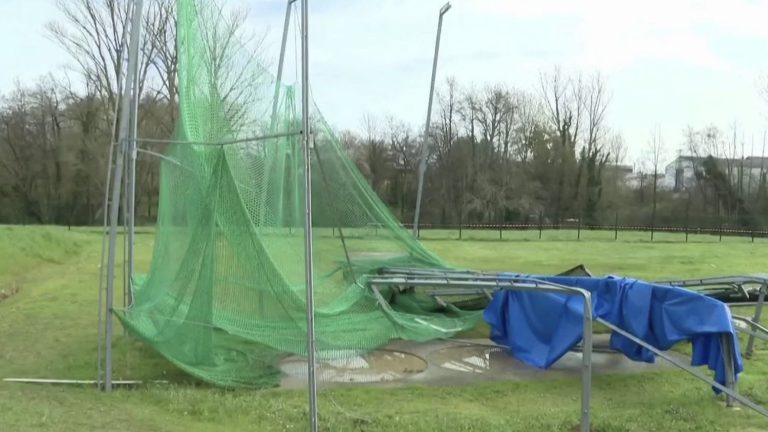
(574, 229)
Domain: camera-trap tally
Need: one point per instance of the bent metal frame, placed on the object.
(440, 283)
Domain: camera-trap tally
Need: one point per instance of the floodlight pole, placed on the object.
(308, 265)
(280, 62)
(424, 146)
(114, 204)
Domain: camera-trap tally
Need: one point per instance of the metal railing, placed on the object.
(440, 283)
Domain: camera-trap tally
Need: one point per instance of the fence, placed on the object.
(574, 229)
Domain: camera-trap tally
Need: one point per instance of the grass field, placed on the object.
(48, 330)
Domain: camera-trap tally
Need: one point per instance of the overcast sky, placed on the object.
(667, 63)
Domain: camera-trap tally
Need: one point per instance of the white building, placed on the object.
(680, 174)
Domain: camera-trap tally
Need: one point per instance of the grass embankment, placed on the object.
(48, 330)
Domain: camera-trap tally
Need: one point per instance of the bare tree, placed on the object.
(375, 154)
(93, 32)
(596, 102)
(617, 147)
(529, 121)
(403, 151)
(162, 33)
(495, 118)
(226, 73)
(592, 156)
(446, 129)
(563, 101)
(34, 156)
(655, 154)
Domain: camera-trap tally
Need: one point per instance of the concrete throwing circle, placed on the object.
(495, 361)
(354, 367)
(473, 359)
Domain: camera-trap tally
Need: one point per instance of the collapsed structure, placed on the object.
(225, 299)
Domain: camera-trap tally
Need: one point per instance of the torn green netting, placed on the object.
(224, 298)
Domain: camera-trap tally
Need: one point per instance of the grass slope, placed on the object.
(48, 329)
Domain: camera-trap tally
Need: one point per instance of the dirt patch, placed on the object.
(9, 291)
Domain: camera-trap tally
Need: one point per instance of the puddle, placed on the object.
(474, 359)
(496, 361)
(351, 367)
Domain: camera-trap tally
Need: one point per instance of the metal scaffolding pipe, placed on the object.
(515, 284)
(756, 318)
(114, 209)
(693, 371)
(218, 143)
(133, 132)
(308, 253)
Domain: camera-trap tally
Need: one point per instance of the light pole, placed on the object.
(424, 146)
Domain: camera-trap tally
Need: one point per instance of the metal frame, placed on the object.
(445, 282)
(133, 130)
(753, 327)
(308, 246)
(108, 181)
(463, 283)
(121, 191)
(729, 389)
(424, 146)
(130, 95)
(218, 143)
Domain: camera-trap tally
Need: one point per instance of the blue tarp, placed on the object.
(539, 328)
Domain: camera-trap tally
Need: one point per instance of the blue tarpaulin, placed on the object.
(539, 328)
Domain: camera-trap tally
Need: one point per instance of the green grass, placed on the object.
(48, 330)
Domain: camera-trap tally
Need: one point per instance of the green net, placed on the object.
(225, 295)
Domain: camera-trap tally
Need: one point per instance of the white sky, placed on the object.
(668, 63)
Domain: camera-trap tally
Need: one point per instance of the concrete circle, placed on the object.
(353, 367)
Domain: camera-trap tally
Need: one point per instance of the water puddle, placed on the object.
(496, 361)
(351, 367)
(474, 359)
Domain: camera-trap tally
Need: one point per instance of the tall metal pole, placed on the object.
(105, 224)
(425, 145)
(306, 141)
(280, 62)
(114, 210)
(132, 135)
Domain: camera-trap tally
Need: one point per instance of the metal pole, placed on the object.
(541, 222)
(756, 317)
(110, 158)
(693, 371)
(309, 271)
(133, 133)
(280, 63)
(720, 229)
(114, 209)
(578, 229)
(586, 364)
(220, 143)
(424, 145)
(730, 375)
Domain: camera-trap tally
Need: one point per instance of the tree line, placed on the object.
(505, 155)
(497, 153)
